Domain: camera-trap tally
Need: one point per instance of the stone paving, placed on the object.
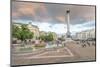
(70, 53)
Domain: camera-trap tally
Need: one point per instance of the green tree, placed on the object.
(42, 37)
(22, 33)
(30, 35)
(47, 37)
(25, 33)
(16, 31)
(50, 37)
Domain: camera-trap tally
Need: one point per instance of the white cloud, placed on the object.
(57, 28)
(62, 28)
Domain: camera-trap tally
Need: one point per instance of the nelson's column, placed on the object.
(68, 34)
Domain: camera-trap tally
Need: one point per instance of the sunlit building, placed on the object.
(84, 35)
(33, 29)
(42, 33)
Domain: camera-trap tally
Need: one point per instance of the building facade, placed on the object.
(33, 29)
(84, 35)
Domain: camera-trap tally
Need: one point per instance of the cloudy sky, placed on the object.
(52, 17)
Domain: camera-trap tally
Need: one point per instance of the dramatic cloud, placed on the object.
(52, 17)
(29, 11)
(53, 13)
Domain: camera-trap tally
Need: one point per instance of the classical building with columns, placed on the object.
(84, 35)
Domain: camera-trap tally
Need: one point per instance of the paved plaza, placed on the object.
(70, 53)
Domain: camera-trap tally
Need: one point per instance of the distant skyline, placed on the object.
(61, 28)
(52, 17)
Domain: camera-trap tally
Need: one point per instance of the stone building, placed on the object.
(43, 33)
(84, 35)
(33, 29)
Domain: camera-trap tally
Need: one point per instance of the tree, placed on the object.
(16, 31)
(42, 37)
(47, 37)
(22, 33)
(50, 37)
(30, 35)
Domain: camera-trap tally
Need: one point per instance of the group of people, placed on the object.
(85, 43)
